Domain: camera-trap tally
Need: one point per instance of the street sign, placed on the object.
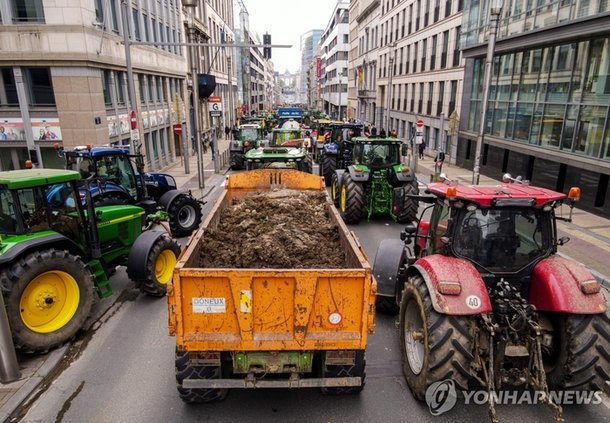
(215, 104)
(135, 135)
(178, 128)
(420, 123)
(419, 139)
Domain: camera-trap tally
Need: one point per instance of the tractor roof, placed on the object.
(347, 125)
(375, 140)
(488, 196)
(27, 178)
(250, 126)
(98, 151)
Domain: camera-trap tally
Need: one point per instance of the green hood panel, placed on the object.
(26, 178)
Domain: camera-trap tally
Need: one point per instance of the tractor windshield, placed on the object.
(502, 240)
(117, 169)
(377, 155)
(280, 137)
(249, 134)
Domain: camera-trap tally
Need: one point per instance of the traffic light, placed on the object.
(267, 42)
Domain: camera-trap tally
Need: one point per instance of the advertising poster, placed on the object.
(124, 123)
(11, 129)
(113, 126)
(160, 117)
(46, 129)
(145, 123)
(166, 115)
(153, 118)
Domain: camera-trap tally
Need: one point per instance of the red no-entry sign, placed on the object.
(134, 121)
(177, 128)
(420, 123)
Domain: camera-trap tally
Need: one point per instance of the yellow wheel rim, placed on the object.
(164, 266)
(343, 198)
(333, 190)
(49, 301)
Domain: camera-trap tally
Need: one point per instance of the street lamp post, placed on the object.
(494, 15)
(340, 89)
(389, 94)
(191, 5)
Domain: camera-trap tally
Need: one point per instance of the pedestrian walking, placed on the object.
(438, 161)
(382, 133)
(227, 132)
(422, 147)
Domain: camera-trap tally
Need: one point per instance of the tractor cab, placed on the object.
(290, 137)
(377, 155)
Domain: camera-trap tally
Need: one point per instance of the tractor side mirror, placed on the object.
(563, 240)
(404, 149)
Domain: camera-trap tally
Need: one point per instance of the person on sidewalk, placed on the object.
(227, 132)
(422, 147)
(438, 161)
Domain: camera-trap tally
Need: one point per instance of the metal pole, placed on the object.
(230, 83)
(9, 367)
(441, 143)
(389, 95)
(133, 104)
(491, 45)
(215, 151)
(195, 91)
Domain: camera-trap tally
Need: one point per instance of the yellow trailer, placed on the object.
(270, 328)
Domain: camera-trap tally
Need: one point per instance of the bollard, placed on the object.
(9, 368)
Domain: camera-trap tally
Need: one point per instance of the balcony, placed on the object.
(366, 94)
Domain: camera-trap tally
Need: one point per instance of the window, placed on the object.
(441, 97)
(99, 11)
(424, 50)
(433, 54)
(345, 39)
(142, 80)
(10, 89)
(27, 11)
(151, 82)
(136, 24)
(114, 16)
(456, 49)
(106, 87)
(444, 51)
(120, 87)
(41, 89)
(146, 29)
(453, 97)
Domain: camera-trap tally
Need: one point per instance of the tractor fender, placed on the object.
(340, 173)
(555, 286)
(54, 240)
(168, 198)
(401, 176)
(437, 268)
(362, 176)
(136, 263)
(390, 256)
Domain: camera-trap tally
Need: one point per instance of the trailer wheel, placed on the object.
(328, 167)
(435, 346)
(184, 215)
(185, 370)
(581, 360)
(358, 369)
(407, 210)
(351, 200)
(50, 298)
(159, 266)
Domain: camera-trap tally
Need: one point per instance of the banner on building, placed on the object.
(124, 124)
(145, 123)
(46, 129)
(318, 67)
(113, 126)
(11, 129)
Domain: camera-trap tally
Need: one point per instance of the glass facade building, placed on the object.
(549, 99)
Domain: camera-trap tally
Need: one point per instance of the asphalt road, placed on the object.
(122, 370)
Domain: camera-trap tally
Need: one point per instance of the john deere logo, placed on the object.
(441, 396)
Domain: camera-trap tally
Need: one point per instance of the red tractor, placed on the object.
(484, 298)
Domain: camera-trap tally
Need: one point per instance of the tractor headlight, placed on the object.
(170, 181)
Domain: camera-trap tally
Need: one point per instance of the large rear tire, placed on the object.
(351, 200)
(407, 211)
(435, 346)
(353, 370)
(49, 297)
(160, 264)
(185, 370)
(329, 166)
(184, 215)
(334, 188)
(305, 165)
(582, 362)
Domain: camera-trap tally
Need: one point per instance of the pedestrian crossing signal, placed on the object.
(267, 42)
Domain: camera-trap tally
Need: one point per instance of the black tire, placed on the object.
(352, 209)
(448, 341)
(159, 267)
(582, 362)
(67, 274)
(334, 189)
(328, 167)
(386, 305)
(305, 165)
(358, 369)
(185, 370)
(184, 215)
(238, 162)
(407, 211)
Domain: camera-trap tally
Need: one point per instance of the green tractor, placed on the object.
(287, 150)
(56, 254)
(249, 137)
(376, 182)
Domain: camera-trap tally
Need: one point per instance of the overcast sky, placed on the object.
(286, 21)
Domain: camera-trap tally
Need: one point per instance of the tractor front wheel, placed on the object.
(351, 200)
(435, 346)
(328, 167)
(580, 358)
(50, 295)
(184, 215)
(334, 188)
(186, 370)
(160, 263)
